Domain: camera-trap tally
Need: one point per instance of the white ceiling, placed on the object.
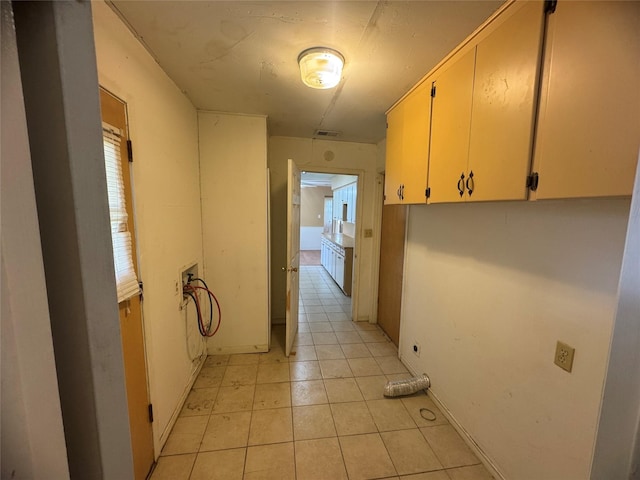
(310, 179)
(241, 57)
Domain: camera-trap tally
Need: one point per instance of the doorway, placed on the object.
(327, 244)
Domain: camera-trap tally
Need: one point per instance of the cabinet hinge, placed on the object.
(427, 192)
(433, 91)
(129, 151)
(532, 181)
(550, 6)
(150, 413)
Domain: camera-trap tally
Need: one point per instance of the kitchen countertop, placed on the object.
(340, 239)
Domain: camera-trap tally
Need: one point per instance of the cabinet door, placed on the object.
(332, 267)
(354, 202)
(323, 253)
(340, 270)
(393, 160)
(333, 263)
(450, 125)
(504, 101)
(589, 126)
(348, 202)
(415, 150)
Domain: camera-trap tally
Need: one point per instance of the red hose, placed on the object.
(194, 287)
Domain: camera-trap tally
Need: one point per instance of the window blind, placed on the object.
(126, 280)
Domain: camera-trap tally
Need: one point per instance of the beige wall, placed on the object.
(163, 128)
(489, 289)
(323, 156)
(312, 205)
(233, 163)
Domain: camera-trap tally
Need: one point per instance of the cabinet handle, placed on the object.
(461, 184)
(471, 186)
(398, 192)
(401, 192)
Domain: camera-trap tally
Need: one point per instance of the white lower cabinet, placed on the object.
(338, 261)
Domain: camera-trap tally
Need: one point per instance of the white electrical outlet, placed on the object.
(564, 356)
(416, 349)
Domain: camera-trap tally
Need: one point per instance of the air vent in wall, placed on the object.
(326, 133)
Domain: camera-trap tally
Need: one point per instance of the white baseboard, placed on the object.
(237, 349)
(468, 439)
(178, 409)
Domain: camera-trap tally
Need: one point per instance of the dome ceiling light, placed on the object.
(321, 67)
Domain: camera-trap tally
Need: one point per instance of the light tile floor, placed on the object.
(319, 414)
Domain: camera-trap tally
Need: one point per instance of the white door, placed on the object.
(293, 253)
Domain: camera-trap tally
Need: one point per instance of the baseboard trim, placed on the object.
(468, 439)
(181, 400)
(237, 349)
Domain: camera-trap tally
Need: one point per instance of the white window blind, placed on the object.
(126, 280)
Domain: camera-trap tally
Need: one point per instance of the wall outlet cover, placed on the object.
(564, 356)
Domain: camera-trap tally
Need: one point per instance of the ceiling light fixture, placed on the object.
(320, 67)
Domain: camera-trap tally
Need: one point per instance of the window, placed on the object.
(126, 280)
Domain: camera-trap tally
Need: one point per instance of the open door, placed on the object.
(293, 253)
(131, 327)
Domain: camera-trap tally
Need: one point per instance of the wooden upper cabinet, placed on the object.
(450, 126)
(484, 112)
(393, 159)
(589, 124)
(507, 69)
(408, 147)
(415, 140)
(495, 102)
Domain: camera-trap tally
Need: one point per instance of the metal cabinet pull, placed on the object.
(461, 184)
(471, 186)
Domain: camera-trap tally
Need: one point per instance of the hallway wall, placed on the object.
(166, 190)
(233, 169)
